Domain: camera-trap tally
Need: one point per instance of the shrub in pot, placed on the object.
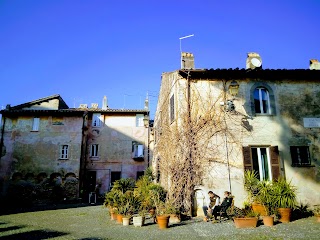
(245, 218)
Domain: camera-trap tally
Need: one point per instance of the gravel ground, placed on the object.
(93, 222)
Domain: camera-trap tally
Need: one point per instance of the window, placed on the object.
(139, 174)
(64, 151)
(139, 120)
(172, 117)
(35, 124)
(300, 156)
(137, 150)
(94, 150)
(263, 160)
(114, 177)
(261, 101)
(96, 119)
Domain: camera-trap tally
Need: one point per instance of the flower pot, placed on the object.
(138, 221)
(318, 218)
(113, 215)
(163, 221)
(268, 221)
(285, 214)
(248, 222)
(259, 208)
(119, 218)
(125, 221)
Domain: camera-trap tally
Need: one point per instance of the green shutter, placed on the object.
(247, 162)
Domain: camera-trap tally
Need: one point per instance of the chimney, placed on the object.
(104, 103)
(314, 64)
(187, 60)
(94, 105)
(253, 61)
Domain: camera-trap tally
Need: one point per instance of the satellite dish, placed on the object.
(256, 62)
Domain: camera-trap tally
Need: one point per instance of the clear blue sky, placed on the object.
(85, 49)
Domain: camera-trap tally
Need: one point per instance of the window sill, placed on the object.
(301, 166)
(264, 115)
(94, 158)
(63, 159)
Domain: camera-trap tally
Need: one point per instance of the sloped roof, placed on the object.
(62, 104)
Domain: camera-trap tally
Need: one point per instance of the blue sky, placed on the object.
(85, 49)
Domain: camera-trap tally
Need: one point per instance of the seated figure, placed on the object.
(222, 208)
(212, 202)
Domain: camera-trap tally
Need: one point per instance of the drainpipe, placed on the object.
(83, 154)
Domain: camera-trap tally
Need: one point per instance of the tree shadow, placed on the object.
(34, 235)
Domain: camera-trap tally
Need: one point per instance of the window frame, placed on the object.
(136, 148)
(62, 155)
(272, 103)
(296, 159)
(273, 160)
(139, 120)
(35, 124)
(94, 150)
(261, 105)
(96, 120)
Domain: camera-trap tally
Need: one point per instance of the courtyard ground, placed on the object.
(93, 222)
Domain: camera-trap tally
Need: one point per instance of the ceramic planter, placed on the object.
(125, 221)
(247, 222)
(138, 221)
(285, 214)
(163, 221)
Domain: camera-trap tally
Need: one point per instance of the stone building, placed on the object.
(96, 145)
(212, 124)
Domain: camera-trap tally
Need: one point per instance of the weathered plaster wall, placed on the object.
(115, 137)
(34, 152)
(293, 102)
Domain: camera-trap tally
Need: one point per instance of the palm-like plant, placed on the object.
(284, 194)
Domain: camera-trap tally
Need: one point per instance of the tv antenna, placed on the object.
(184, 38)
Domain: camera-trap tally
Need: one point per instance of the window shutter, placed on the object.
(247, 163)
(275, 162)
(36, 122)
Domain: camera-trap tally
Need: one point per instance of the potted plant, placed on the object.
(245, 218)
(109, 203)
(252, 186)
(139, 218)
(284, 198)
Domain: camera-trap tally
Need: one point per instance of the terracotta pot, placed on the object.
(125, 221)
(268, 221)
(318, 218)
(138, 221)
(259, 208)
(119, 218)
(163, 221)
(285, 214)
(248, 222)
(113, 215)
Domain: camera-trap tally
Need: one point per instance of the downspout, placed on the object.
(83, 154)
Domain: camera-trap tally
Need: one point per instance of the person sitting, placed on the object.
(212, 200)
(227, 201)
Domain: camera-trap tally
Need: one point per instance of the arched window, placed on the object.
(261, 101)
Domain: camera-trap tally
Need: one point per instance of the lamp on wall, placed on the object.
(234, 88)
